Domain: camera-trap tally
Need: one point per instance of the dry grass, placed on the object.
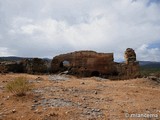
(19, 86)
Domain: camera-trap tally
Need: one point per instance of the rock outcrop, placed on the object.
(11, 66)
(3, 68)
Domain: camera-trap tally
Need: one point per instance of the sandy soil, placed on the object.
(71, 98)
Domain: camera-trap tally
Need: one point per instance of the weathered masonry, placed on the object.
(84, 63)
(91, 63)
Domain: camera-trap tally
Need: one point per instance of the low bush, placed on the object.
(19, 86)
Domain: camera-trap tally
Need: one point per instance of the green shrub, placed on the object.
(19, 86)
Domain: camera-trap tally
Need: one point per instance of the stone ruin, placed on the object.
(84, 63)
(129, 69)
(130, 55)
(31, 66)
(79, 63)
(90, 63)
(35, 66)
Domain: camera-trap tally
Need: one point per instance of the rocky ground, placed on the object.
(65, 97)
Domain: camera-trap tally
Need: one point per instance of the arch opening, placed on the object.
(95, 73)
(64, 63)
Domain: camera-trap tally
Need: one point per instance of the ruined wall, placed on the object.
(90, 63)
(129, 69)
(79, 63)
(126, 71)
(32, 66)
(84, 63)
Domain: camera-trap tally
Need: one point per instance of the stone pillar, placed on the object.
(131, 64)
(130, 55)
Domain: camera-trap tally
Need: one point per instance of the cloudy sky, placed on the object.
(45, 28)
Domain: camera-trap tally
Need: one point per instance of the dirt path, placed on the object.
(71, 98)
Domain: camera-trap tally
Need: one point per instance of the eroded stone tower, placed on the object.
(130, 55)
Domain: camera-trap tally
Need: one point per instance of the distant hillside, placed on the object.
(14, 58)
(149, 64)
(149, 68)
(11, 58)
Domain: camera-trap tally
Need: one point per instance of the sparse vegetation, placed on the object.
(149, 71)
(73, 98)
(19, 86)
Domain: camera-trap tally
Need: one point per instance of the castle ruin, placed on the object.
(79, 63)
(91, 63)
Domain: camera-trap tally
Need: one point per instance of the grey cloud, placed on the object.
(150, 54)
(44, 28)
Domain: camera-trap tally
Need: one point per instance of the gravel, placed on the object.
(57, 77)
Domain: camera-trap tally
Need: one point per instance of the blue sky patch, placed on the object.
(154, 45)
(153, 1)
